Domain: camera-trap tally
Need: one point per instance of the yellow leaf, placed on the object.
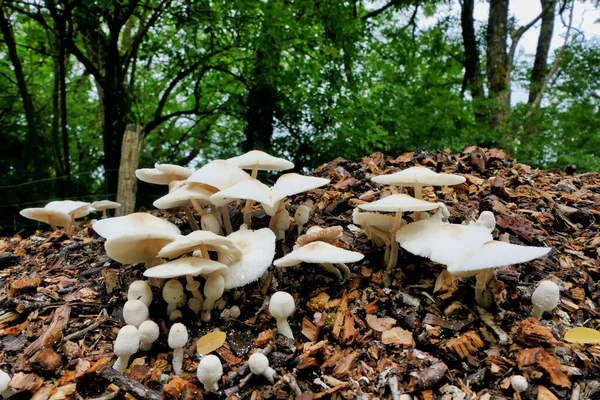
(210, 342)
(582, 335)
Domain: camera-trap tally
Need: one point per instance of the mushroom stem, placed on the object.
(191, 219)
(248, 212)
(178, 360)
(199, 209)
(104, 214)
(121, 362)
(483, 297)
(284, 328)
(193, 286)
(394, 244)
(226, 219)
(537, 312)
(378, 234)
(345, 270)
(331, 268)
(204, 252)
(275, 217)
(54, 227)
(418, 191)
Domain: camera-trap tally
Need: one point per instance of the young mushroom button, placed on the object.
(281, 306)
(259, 365)
(127, 343)
(149, 333)
(209, 372)
(5, 391)
(178, 337)
(546, 297)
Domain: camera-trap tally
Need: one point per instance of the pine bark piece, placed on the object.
(180, 389)
(545, 394)
(346, 365)
(380, 324)
(137, 389)
(467, 344)
(398, 337)
(537, 358)
(532, 333)
(24, 285)
(45, 360)
(26, 382)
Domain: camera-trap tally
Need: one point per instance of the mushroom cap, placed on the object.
(149, 331)
(281, 305)
(137, 247)
(399, 203)
(105, 205)
(318, 252)
(178, 335)
(519, 383)
(4, 381)
(182, 195)
(292, 183)
(441, 242)
(135, 312)
(76, 209)
(546, 296)
(250, 189)
(261, 159)
(382, 221)
(486, 219)
(219, 175)
(258, 363)
(419, 175)
(258, 249)
(128, 340)
(330, 235)
(193, 241)
(52, 217)
(302, 214)
(193, 266)
(172, 292)
(209, 369)
(162, 174)
(140, 290)
(109, 228)
(496, 254)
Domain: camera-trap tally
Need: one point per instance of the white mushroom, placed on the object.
(213, 290)
(135, 312)
(519, 383)
(417, 177)
(127, 343)
(281, 306)
(5, 391)
(301, 217)
(283, 223)
(234, 312)
(149, 333)
(172, 294)
(162, 174)
(546, 297)
(104, 205)
(140, 290)
(54, 218)
(259, 365)
(178, 337)
(210, 372)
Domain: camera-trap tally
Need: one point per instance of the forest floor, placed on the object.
(61, 301)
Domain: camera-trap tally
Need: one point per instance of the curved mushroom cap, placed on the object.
(178, 335)
(52, 217)
(105, 205)
(219, 175)
(137, 247)
(282, 305)
(192, 241)
(292, 183)
(162, 174)
(382, 221)
(193, 266)
(318, 252)
(486, 219)
(250, 189)
(314, 233)
(258, 249)
(496, 254)
(419, 175)
(128, 340)
(119, 226)
(76, 209)
(261, 159)
(546, 296)
(182, 195)
(441, 242)
(399, 203)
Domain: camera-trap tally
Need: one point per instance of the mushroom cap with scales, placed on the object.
(181, 196)
(262, 160)
(218, 175)
(318, 252)
(496, 254)
(399, 203)
(192, 266)
(163, 174)
(419, 176)
(442, 242)
(48, 216)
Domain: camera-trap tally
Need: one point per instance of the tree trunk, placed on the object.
(116, 114)
(540, 65)
(62, 67)
(130, 158)
(497, 63)
(473, 78)
(30, 116)
(55, 130)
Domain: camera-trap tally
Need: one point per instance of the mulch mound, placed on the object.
(61, 301)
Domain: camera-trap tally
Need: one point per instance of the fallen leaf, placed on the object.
(210, 342)
(582, 335)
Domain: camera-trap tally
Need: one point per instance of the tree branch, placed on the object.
(378, 11)
(518, 34)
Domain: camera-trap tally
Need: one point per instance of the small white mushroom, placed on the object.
(282, 223)
(213, 290)
(172, 294)
(178, 337)
(135, 312)
(259, 365)
(519, 383)
(127, 343)
(149, 333)
(234, 312)
(546, 297)
(281, 306)
(195, 305)
(210, 372)
(5, 391)
(140, 290)
(301, 217)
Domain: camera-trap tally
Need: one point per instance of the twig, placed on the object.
(135, 388)
(84, 331)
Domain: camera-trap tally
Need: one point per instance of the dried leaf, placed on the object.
(210, 342)
(380, 324)
(582, 335)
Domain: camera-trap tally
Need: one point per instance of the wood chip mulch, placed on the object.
(61, 301)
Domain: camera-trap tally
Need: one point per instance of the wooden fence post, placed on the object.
(130, 158)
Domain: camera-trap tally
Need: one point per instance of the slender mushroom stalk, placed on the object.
(483, 296)
(249, 202)
(193, 286)
(191, 218)
(226, 219)
(281, 306)
(418, 191)
(394, 244)
(332, 269)
(273, 221)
